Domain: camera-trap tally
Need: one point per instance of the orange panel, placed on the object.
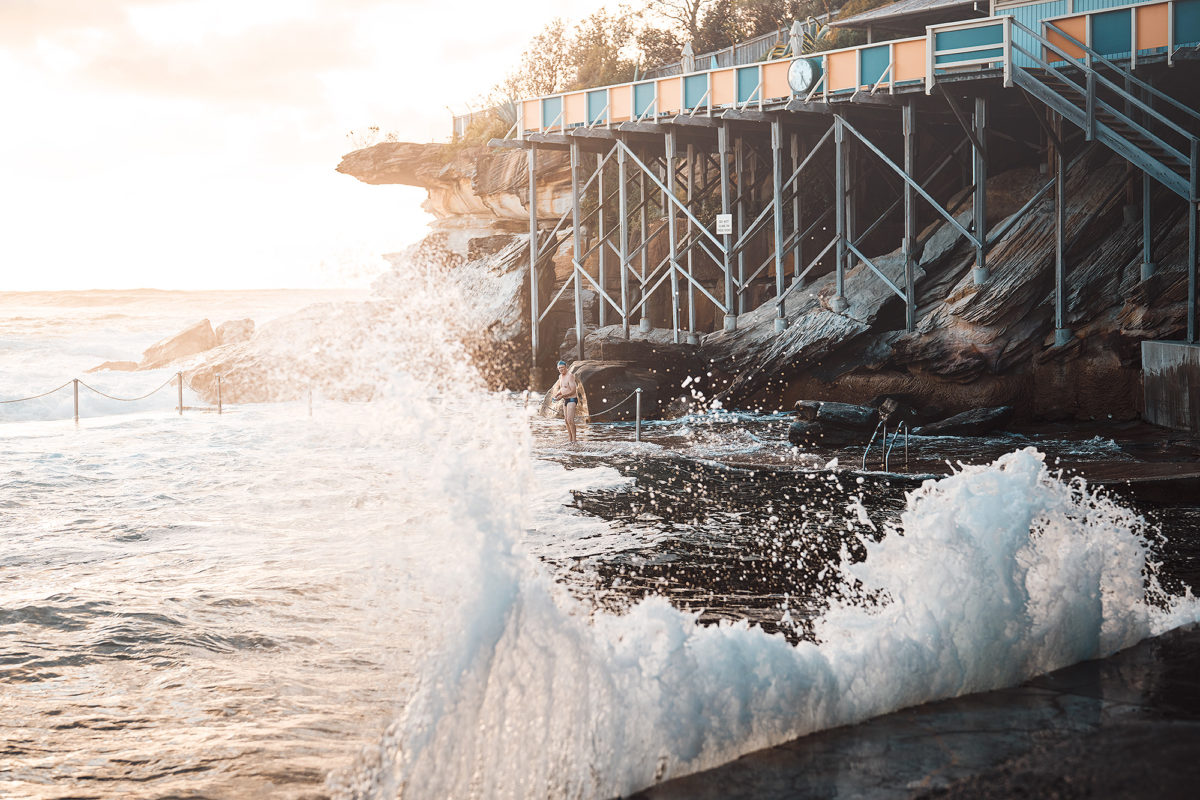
(575, 108)
(1152, 28)
(1075, 26)
(723, 91)
(775, 82)
(531, 115)
(909, 60)
(843, 70)
(670, 95)
(621, 98)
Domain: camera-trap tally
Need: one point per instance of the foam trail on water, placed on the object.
(999, 573)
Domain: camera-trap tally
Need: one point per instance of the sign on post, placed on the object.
(724, 224)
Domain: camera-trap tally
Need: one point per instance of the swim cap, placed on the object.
(562, 363)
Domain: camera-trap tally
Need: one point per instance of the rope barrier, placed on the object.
(165, 384)
(613, 408)
(36, 396)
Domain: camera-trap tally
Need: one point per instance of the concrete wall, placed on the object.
(1172, 380)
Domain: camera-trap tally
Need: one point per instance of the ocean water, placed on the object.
(431, 596)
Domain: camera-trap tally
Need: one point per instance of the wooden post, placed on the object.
(723, 153)
(909, 121)
(979, 274)
(839, 304)
(578, 245)
(777, 204)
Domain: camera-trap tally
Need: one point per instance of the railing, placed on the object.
(945, 51)
(75, 383)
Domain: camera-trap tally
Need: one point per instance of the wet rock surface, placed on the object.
(188, 342)
(976, 422)
(1123, 727)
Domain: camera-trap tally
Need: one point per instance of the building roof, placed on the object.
(907, 11)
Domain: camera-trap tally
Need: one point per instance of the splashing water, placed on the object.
(996, 574)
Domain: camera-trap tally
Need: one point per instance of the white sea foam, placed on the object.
(998, 573)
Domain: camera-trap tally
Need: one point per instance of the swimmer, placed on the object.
(567, 390)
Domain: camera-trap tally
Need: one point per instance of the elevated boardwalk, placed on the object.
(746, 181)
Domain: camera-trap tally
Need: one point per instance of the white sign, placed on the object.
(724, 224)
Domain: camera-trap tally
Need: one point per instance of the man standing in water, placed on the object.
(567, 390)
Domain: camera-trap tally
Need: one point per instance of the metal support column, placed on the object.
(1147, 251)
(534, 299)
(909, 123)
(600, 254)
(644, 321)
(672, 239)
(797, 250)
(777, 205)
(979, 274)
(739, 188)
(577, 243)
(692, 338)
(723, 155)
(839, 304)
(1192, 310)
(623, 238)
(1062, 334)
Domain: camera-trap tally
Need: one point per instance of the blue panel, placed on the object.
(872, 62)
(747, 82)
(970, 37)
(1112, 33)
(993, 52)
(1187, 22)
(551, 112)
(694, 89)
(597, 107)
(644, 95)
(1099, 5)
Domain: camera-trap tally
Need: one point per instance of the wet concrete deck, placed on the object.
(1123, 727)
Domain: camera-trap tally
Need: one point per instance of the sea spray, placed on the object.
(995, 574)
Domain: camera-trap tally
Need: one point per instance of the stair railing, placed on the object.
(1092, 102)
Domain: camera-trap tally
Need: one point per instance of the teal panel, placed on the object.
(872, 63)
(970, 37)
(1112, 32)
(597, 107)
(694, 89)
(551, 112)
(747, 82)
(644, 95)
(992, 52)
(1187, 22)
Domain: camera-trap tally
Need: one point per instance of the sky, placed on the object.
(191, 144)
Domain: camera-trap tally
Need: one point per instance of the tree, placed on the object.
(686, 14)
(544, 65)
(596, 50)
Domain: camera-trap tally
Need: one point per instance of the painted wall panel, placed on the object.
(910, 61)
(1112, 33)
(670, 95)
(576, 108)
(723, 91)
(1100, 5)
(1187, 21)
(1072, 26)
(747, 83)
(551, 112)
(695, 87)
(622, 103)
(1152, 26)
(775, 83)
(643, 99)
(970, 37)
(843, 71)
(531, 115)
(597, 106)
(873, 62)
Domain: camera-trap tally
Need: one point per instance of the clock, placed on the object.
(803, 74)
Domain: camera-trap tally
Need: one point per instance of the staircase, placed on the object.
(1166, 149)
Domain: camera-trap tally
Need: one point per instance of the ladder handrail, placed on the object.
(1089, 69)
(1129, 75)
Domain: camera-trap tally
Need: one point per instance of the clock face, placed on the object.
(802, 75)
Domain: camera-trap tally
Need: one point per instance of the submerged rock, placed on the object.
(831, 424)
(969, 423)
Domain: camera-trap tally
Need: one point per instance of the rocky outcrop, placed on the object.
(188, 342)
(115, 366)
(976, 422)
(235, 331)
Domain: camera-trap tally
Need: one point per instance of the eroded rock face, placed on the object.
(235, 331)
(975, 422)
(188, 342)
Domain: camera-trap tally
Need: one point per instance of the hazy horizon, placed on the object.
(190, 145)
